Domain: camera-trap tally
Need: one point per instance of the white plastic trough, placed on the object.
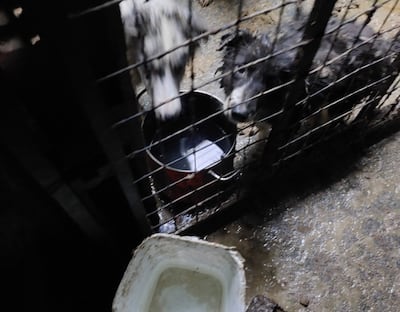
(170, 273)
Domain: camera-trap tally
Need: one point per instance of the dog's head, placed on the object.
(155, 27)
(254, 72)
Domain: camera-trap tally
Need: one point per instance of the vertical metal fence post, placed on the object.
(313, 33)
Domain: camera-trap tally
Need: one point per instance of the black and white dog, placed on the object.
(243, 86)
(153, 27)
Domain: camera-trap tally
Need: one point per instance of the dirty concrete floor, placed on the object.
(336, 245)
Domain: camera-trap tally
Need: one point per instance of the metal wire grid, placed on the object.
(384, 81)
(284, 142)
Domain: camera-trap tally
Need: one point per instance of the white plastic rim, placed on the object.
(160, 252)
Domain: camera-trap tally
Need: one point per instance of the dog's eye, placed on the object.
(241, 71)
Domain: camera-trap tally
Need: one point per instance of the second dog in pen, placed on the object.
(248, 98)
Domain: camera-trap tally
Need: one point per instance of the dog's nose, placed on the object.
(239, 116)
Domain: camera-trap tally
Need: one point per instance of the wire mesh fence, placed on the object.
(315, 70)
(226, 94)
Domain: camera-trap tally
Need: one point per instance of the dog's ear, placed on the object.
(235, 39)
